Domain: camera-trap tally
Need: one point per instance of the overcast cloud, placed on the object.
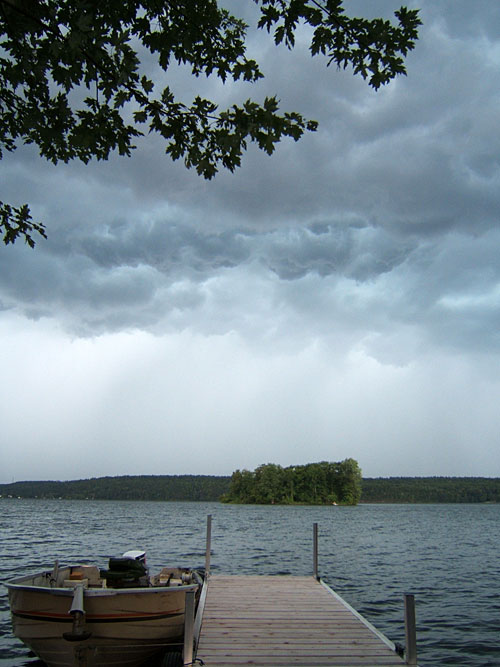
(340, 298)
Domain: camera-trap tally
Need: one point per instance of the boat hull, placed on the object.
(127, 626)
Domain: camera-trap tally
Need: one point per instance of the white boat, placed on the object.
(82, 616)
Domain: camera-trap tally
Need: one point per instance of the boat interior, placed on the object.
(90, 576)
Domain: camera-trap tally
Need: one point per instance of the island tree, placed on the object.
(323, 483)
(74, 77)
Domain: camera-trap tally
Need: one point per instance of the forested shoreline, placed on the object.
(127, 487)
(431, 490)
(215, 487)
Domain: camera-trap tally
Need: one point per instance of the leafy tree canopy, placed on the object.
(313, 483)
(74, 77)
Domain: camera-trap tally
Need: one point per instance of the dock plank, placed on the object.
(284, 620)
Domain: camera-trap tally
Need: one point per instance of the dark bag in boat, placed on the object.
(125, 573)
(127, 565)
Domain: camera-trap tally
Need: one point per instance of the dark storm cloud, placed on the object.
(127, 263)
(384, 194)
(420, 156)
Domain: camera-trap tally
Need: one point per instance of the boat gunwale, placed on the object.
(93, 591)
(103, 592)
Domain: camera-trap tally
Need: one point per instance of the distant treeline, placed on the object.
(136, 487)
(431, 490)
(321, 483)
(315, 483)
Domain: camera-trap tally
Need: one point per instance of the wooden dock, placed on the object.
(285, 620)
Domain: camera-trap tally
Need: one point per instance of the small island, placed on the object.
(321, 483)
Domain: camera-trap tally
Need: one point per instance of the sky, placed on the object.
(338, 299)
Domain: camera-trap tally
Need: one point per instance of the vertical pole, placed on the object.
(54, 575)
(410, 630)
(189, 628)
(209, 545)
(315, 550)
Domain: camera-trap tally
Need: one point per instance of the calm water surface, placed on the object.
(447, 555)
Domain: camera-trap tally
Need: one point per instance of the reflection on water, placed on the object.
(446, 555)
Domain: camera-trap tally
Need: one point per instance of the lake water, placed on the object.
(447, 555)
